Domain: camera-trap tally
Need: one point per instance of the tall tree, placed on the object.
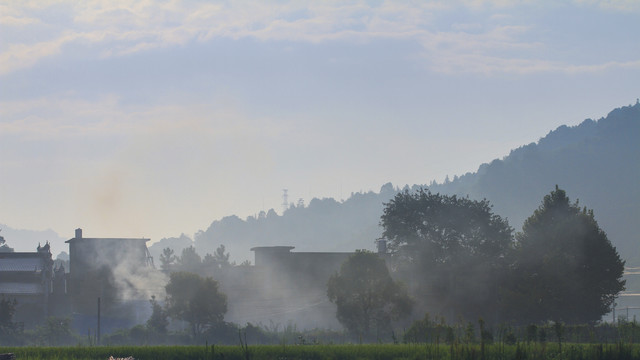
(221, 257)
(167, 259)
(158, 321)
(190, 261)
(367, 298)
(9, 330)
(196, 300)
(218, 260)
(452, 251)
(3, 246)
(567, 269)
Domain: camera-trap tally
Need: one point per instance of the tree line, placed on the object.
(462, 261)
(448, 256)
(453, 257)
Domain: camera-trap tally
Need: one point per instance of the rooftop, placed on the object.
(21, 262)
(79, 237)
(106, 239)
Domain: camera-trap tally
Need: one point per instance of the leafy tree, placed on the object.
(218, 260)
(3, 246)
(158, 321)
(221, 257)
(55, 332)
(9, 332)
(452, 250)
(167, 259)
(190, 261)
(566, 269)
(367, 298)
(196, 300)
(7, 311)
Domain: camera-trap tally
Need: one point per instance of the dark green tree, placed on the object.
(190, 261)
(221, 257)
(9, 331)
(566, 268)
(7, 311)
(451, 250)
(367, 298)
(219, 260)
(3, 246)
(196, 300)
(158, 321)
(167, 259)
(55, 331)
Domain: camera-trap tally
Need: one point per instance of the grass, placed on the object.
(355, 352)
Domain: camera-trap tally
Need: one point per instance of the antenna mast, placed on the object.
(285, 200)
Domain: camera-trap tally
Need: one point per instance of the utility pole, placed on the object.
(98, 332)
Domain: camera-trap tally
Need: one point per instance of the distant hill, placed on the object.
(27, 240)
(175, 243)
(323, 225)
(595, 162)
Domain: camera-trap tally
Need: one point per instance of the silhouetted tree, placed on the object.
(218, 260)
(566, 268)
(190, 260)
(55, 332)
(221, 257)
(167, 259)
(158, 321)
(451, 250)
(367, 298)
(196, 300)
(9, 334)
(3, 246)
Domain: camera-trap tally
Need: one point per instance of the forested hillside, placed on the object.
(323, 225)
(595, 162)
(27, 240)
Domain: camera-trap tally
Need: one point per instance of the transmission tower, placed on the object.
(285, 200)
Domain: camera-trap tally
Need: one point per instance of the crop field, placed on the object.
(369, 351)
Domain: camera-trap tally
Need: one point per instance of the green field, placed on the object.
(369, 351)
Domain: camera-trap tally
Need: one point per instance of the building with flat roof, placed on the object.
(105, 268)
(31, 280)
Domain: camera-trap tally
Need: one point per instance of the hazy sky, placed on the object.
(153, 118)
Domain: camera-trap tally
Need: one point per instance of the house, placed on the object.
(114, 270)
(283, 287)
(31, 280)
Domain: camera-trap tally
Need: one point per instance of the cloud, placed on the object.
(121, 28)
(630, 6)
(17, 21)
(67, 118)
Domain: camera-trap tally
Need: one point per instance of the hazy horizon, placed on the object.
(149, 119)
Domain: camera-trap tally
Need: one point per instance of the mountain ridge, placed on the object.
(594, 161)
(515, 186)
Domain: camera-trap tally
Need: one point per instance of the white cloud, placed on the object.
(17, 21)
(67, 118)
(126, 27)
(631, 6)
